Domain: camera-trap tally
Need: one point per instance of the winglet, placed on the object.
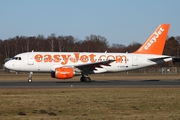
(155, 43)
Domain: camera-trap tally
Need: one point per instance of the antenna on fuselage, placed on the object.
(106, 51)
(32, 51)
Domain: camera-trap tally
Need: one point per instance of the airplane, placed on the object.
(66, 65)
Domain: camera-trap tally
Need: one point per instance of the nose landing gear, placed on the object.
(30, 77)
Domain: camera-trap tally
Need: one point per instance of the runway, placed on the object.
(93, 84)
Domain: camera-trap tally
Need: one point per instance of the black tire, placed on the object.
(87, 79)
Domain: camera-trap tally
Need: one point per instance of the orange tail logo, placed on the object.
(155, 43)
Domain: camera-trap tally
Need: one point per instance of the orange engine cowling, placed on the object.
(63, 73)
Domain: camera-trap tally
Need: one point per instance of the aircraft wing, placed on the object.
(86, 66)
(92, 66)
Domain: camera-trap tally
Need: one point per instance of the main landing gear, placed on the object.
(85, 78)
(30, 77)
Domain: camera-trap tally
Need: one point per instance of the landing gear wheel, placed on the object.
(30, 77)
(30, 80)
(87, 79)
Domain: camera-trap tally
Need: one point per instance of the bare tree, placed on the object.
(61, 43)
(171, 47)
(51, 40)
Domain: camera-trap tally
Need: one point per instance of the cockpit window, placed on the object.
(16, 58)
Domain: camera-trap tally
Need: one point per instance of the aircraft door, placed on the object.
(30, 59)
(134, 60)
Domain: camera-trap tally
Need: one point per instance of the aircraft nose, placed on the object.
(8, 65)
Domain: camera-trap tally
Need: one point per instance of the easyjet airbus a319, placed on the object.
(65, 65)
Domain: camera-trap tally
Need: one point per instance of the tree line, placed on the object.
(93, 43)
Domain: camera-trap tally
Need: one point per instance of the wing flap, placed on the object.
(92, 66)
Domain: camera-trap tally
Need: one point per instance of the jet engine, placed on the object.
(63, 73)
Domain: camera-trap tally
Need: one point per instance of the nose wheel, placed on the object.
(30, 77)
(30, 80)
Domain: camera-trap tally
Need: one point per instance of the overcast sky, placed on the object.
(119, 21)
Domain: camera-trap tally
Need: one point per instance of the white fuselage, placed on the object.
(48, 61)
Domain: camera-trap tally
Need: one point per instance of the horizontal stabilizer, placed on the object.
(157, 60)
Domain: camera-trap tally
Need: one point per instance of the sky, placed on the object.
(119, 21)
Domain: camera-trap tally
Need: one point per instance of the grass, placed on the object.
(90, 104)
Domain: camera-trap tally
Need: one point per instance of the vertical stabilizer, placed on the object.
(155, 43)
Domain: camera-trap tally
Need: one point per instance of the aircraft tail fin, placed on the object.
(155, 43)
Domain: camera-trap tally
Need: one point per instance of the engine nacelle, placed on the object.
(63, 73)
